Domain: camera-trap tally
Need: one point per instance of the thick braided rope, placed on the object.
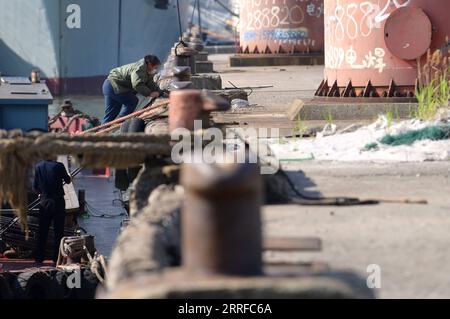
(19, 151)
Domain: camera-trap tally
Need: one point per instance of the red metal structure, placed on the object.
(372, 47)
(281, 26)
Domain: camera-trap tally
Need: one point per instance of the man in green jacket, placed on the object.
(123, 83)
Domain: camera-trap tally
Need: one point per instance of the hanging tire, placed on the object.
(89, 283)
(35, 285)
(5, 290)
(125, 126)
(136, 125)
(61, 279)
(125, 177)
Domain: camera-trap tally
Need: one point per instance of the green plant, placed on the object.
(427, 100)
(443, 89)
(329, 118)
(397, 115)
(299, 128)
(388, 120)
(433, 88)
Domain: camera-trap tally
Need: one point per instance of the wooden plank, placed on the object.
(293, 244)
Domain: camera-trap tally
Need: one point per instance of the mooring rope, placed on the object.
(19, 151)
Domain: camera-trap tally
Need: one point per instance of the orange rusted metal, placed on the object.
(189, 105)
(281, 26)
(185, 107)
(221, 219)
(372, 46)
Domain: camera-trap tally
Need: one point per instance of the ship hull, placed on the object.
(75, 43)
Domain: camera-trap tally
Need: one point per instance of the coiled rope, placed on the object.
(74, 248)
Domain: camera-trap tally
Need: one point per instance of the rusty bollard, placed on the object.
(185, 107)
(221, 220)
(189, 105)
(184, 56)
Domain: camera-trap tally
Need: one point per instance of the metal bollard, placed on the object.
(181, 73)
(187, 105)
(181, 78)
(184, 56)
(185, 108)
(221, 219)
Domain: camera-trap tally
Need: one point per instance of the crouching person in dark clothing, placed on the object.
(48, 183)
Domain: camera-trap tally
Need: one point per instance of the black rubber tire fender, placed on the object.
(89, 283)
(35, 285)
(136, 125)
(5, 289)
(125, 126)
(125, 177)
(61, 277)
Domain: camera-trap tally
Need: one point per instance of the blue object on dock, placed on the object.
(24, 106)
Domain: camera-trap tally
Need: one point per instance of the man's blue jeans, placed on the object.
(117, 105)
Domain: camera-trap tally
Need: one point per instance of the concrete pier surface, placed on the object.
(408, 242)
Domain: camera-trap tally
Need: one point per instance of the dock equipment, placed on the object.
(24, 105)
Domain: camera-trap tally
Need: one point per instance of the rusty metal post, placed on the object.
(189, 105)
(221, 220)
(372, 47)
(185, 108)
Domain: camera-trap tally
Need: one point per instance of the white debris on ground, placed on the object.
(237, 104)
(351, 146)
